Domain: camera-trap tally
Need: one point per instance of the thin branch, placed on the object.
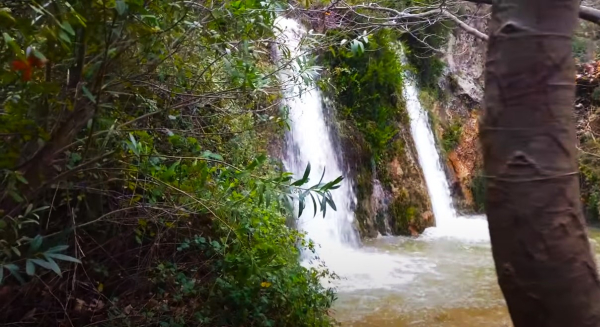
(471, 30)
(585, 13)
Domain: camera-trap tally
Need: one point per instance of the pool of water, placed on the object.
(422, 282)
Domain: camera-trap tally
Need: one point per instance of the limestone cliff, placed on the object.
(463, 83)
(458, 107)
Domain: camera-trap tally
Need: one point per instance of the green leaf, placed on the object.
(314, 204)
(15, 196)
(300, 207)
(211, 155)
(62, 257)
(2, 224)
(89, 94)
(16, 250)
(58, 248)
(331, 203)
(29, 268)
(333, 184)
(28, 210)
(1, 274)
(306, 173)
(7, 38)
(322, 175)
(21, 179)
(50, 265)
(354, 46)
(68, 28)
(252, 165)
(64, 36)
(121, 7)
(35, 244)
(4, 13)
(11, 42)
(39, 55)
(41, 209)
(14, 271)
(133, 141)
(298, 183)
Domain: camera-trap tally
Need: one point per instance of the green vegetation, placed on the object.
(135, 186)
(451, 136)
(478, 190)
(367, 82)
(580, 48)
(366, 79)
(589, 166)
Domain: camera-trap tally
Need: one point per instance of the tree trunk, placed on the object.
(543, 258)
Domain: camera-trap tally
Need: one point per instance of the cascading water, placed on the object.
(309, 141)
(388, 281)
(448, 223)
(429, 159)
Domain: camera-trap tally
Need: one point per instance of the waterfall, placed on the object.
(429, 159)
(448, 223)
(309, 141)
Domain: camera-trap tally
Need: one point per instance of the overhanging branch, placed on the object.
(471, 30)
(585, 13)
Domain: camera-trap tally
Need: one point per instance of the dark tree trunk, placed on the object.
(543, 259)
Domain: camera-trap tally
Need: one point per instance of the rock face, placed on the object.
(465, 159)
(393, 199)
(462, 85)
(410, 206)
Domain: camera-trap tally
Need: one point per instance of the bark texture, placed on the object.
(543, 258)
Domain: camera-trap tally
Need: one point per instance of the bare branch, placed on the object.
(471, 30)
(585, 13)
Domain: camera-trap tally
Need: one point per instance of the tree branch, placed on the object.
(585, 13)
(471, 30)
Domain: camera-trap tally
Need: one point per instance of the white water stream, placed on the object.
(448, 223)
(390, 281)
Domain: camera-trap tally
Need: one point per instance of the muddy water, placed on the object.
(441, 282)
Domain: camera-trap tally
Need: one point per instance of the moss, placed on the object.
(590, 184)
(451, 136)
(478, 190)
(368, 86)
(404, 216)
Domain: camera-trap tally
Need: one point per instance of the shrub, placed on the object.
(135, 188)
(451, 136)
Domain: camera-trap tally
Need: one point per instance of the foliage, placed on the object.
(132, 164)
(478, 190)
(451, 136)
(596, 95)
(368, 86)
(580, 48)
(427, 64)
(589, 167)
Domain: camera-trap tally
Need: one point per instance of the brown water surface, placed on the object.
(432, 282)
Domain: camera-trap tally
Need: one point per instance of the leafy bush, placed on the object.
(451, 136)
(478, 190)
(132, 164)
(368, 86)
(589, 166)
(580, 48)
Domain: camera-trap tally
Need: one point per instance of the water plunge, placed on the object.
(309, 141)
(390, 281)
(399, 265)
(448, 223)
